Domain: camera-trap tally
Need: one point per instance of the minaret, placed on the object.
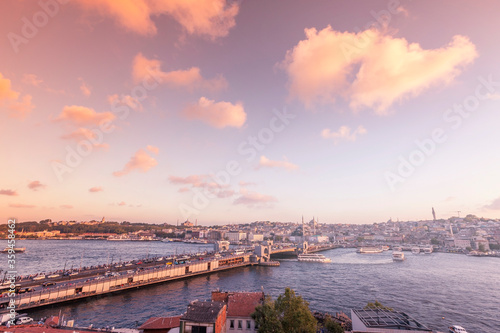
(433, 214)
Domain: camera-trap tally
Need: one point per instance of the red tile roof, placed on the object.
(242, 304)
(161, 323)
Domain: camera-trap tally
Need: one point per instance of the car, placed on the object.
(24, 320)
(46, 284)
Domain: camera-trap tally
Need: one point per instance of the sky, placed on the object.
(227, 111)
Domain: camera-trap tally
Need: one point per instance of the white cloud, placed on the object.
(343, 133)
(370, 69)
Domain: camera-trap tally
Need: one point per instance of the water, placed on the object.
(438, 289)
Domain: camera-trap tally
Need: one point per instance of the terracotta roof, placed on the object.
(161, 323)
(242, 304)
(203, 312)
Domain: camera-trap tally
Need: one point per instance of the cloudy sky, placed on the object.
(236, 111)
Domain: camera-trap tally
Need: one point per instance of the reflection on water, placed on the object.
(464, 290)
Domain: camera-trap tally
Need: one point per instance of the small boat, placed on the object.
(313, 257)
(369, 250)
(398, 256)
(415, 250)
(16, 249)
(397, 249)
(457, 329)
(385, 248)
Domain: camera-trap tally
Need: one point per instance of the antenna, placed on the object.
(458, 212)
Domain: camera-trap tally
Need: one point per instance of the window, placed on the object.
(240, 324)
(199, 329)
(231, 324)
(248, 325)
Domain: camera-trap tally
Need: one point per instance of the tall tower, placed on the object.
(433, 214)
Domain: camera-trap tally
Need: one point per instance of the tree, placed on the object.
(332, 327)
(434, 241)
(377, 305)
(289, 313)
(294, 313)
(266, 317)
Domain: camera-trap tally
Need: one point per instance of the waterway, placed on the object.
(438, 289)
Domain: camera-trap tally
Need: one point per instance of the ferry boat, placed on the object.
(457, 329)
(398, 256)
(16, 249)
(369, 250)
(428, 249)
(385, 248)
(415, 250)
(313, 257)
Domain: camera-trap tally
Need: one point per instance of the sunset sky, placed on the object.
(236, 111)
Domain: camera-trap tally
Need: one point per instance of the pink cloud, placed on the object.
(127, 100)
(344, 133)
(17, 105)
(122, 203)
(95, 189)
(211, 18)
(264, 162)
(66, 206)
(85, 134)
(21, 206)
(36, 185)
(254, 199)
(494, 205)
(370, 69)
(32, 79)
(81, 115)
(85, 88)
(141, 161)
(153, 149)
(183, 189)
(205, 182)
(217, 114)
(8, 192)
(190, 79)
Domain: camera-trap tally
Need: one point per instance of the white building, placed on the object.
(255, 237)
(462, 243)
(236, 236)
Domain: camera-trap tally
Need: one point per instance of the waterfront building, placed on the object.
(462, 243)
(204, 317)
(384, 320)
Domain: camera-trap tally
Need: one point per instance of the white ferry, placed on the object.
(428, 249)
(457, 329)
(313, 257)
(369, 250)
(398, 256)
(415, 250)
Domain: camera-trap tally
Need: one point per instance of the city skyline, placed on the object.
(236, 111)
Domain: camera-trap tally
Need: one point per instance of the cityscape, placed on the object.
(219, 166)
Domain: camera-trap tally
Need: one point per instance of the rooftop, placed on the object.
(203, 312)
(161, 323)
(383, 318)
